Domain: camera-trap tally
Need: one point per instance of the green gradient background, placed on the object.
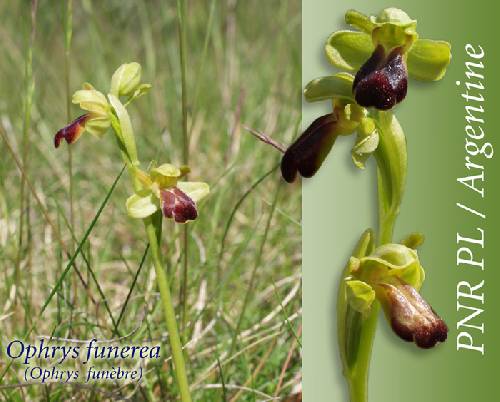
(340, 202)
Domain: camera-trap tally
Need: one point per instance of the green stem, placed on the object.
(181, 13)
(68, 32)
(360, 330)
(169, 312)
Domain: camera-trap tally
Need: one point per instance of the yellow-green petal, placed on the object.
(348, 50)
(98, 126)
(366, 143)
(329, 87)
(142, 205)
(428, 59)
(193, 189)
(360, 295)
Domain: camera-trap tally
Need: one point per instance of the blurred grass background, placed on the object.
(243, 70)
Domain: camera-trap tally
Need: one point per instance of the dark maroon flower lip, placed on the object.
(308, 152)
(410, 316)
(177, 205)
(72, 131)
(382, 82)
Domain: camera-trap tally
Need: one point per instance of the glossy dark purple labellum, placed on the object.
(411, 317)
(382, 81)
(72, 131)
(309, 151)
(177, 205)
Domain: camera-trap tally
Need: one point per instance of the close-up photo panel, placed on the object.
(248, 200)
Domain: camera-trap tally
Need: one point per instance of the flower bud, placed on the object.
(126, 79)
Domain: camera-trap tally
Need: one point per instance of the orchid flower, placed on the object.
(392, 274)
(307, 153)
(384, 52)
(124, 82)
(163, 190)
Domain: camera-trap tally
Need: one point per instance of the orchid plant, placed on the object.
(377, 59)
(157, 192)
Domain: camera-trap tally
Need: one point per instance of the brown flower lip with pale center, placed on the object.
(72, 131)
(177, 205)
(381, 82)
(411, 317)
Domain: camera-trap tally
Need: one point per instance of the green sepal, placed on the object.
(91, 100)
(428, 59)
(349, 321)
(348, 50)
(330, 87)
(126, 131)
(142, 204)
